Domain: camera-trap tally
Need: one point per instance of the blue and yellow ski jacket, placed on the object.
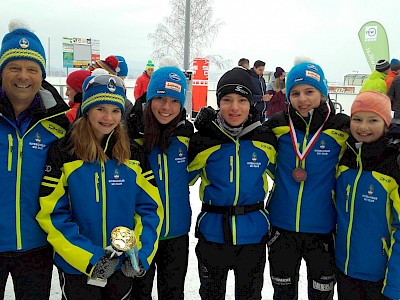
(368, 208)
(306, 206)
(82, 202)
(233, 172)
(23, 152)
(170, 171)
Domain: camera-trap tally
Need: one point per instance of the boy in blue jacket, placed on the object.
(231, 152)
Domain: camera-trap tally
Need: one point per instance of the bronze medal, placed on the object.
(299, 174)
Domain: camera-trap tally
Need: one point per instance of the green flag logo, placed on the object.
(374, 43)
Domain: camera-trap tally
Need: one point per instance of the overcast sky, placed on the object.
(273, 31)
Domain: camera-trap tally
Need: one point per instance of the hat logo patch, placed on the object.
(173, 86)
(313, 75)
(112, 85)
(175, 76)
(240, 89)
(312, 67)
(23, 43)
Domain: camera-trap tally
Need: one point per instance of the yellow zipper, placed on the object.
(159, 158)
(104, 206)
(166, 208)
(10, 150)
(97, 185)
(347, 197)
(231, 168)
(18, 195)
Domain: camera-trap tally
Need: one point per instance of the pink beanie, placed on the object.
(375, 102)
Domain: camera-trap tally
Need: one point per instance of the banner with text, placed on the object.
(80, 52)
(374, 43)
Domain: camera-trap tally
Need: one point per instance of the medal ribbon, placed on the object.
(313, 140)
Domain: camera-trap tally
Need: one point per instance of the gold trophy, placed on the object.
(124, 239)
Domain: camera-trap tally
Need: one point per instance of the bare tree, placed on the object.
(169, 37)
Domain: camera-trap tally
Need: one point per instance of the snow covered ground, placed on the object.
(192, 280)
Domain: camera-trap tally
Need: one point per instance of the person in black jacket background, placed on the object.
(259, 98)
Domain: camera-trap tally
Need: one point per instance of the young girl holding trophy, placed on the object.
(96, 180)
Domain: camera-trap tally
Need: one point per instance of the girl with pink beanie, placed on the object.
(367, 248)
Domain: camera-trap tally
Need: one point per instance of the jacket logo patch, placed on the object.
(37, 143)
(116, 181)
(181, 158)
(37, 137)
(371, 190)
(368, 197)
(254, 157)
(253, 163)
(322, 151)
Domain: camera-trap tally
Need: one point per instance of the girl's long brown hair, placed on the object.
(279, 84)
(83, 143)
(153, 135)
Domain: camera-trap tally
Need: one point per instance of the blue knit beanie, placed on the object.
(22, 44)
(168, 82)
(395, 64)
(306, 73)
(103, 89)
(122, 70)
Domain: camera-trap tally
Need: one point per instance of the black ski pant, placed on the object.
(75, 287)
(215, 260)
(357, 289)
(171, 262)
(30, 271)
(286, 249)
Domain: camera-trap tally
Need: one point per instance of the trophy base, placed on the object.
(97, 282)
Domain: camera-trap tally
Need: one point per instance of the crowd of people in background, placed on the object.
(99, 187)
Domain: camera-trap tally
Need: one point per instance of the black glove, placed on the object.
(394, 130)
(204, 117)
(129, 271)
(393, 136)
(105, 267)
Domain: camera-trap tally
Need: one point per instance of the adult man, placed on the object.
(259, 98)
(244, 63)
(32, 117)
